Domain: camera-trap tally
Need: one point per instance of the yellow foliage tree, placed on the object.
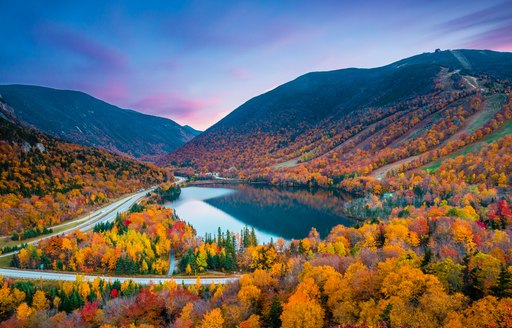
(24, 311)
(252, 322)
(84, 290)
(39, 301)
(185, 320)
(249, 293)
(303, 309)
(9, 300)
(213, 319)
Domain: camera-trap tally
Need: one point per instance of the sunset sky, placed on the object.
(196, 61)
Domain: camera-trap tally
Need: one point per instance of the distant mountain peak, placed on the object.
(192, 130)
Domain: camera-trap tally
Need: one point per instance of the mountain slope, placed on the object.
(348, 112)
(191, 130)
(45, 181)
(79, 118)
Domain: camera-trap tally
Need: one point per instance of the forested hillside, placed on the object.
(46, 181)
(428, 166)
(434, 251)
(323, 127)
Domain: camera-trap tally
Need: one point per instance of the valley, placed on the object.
(351, 198)
(256, 164)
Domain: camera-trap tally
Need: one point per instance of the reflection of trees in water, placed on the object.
(289, 213)
(330, 202)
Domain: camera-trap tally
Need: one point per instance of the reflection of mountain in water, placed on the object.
(287, 213)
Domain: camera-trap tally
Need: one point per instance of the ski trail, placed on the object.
(462, 59)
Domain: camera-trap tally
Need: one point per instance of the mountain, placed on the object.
(367, 117)
(77, 117)
(191, 130)
(45, 181)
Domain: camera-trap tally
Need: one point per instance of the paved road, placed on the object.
(105, 214)
(91, 217)
(44, 275)
(217, 177)
(108, 214)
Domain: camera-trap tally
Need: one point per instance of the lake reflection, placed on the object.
(273, 212)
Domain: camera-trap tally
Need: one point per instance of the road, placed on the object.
(217, 177)
(105, 214)
(44, 275)
(109, 214)
(93, 217)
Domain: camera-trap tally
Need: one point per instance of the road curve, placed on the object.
(44, 275)
(105, 214)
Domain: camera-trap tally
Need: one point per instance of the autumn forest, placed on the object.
(421, 149)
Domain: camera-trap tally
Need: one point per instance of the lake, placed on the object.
(273, 212)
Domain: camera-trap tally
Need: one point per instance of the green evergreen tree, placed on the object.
(254, 240)
(273, 317)
(504, 283)
(427, 257)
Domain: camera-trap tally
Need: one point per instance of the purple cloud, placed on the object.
(97, 55)
(176, 107)
(214, 56)
(489, 28)
(491, 16)
(497, 38)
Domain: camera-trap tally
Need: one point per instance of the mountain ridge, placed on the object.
(47, 181)
(319, 111)
(78, 117)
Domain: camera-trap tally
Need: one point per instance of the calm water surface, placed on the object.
(273, 212)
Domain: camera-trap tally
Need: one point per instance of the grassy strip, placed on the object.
(503, 131)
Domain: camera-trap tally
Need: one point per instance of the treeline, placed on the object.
(31, 233)
(218, 252)
(26, 301)
(442, 270)
(9, 249)
(167, 193)
(136, 242)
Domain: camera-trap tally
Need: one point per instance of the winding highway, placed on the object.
(108, 214)
(102, 215)
(105, 214)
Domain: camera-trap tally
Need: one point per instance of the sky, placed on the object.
(196, 61)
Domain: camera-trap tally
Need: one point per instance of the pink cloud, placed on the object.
(200, 120)
(112, 91)
(178, 108)
(240, 73)
(497, 38)
(489, 28)
(98, 55)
